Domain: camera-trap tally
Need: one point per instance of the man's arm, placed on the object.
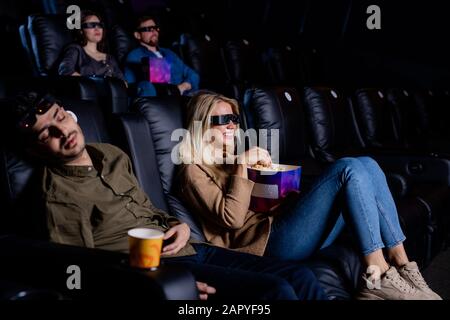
(189, 78)
(68, 223)
(131, 63)
(168, 220)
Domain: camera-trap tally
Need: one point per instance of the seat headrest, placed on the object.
(328, 118)
(121, 42)
(150, 146)
(17, 170)
(90, 119)
(278, 108)
(164, 115)
(204, 55)
(48, 35)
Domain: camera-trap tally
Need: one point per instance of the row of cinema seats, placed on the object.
(226, 66)
(320, 125)
(316, 127)
(232, 66)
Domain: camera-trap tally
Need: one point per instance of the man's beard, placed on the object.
(152, 43)
(68, 158)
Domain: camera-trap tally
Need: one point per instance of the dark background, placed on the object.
(409, 50)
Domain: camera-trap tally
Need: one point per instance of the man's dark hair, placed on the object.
(144, 18)
(16, 109)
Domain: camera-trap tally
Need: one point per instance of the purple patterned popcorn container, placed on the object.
(272, 185)
(156, 70)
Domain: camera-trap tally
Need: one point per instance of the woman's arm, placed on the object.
(241, 171)
(225, 208)
(68, 65)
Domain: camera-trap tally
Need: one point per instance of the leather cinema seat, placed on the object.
(428, 172)
(309, 137)
(333, 136)
(204, 54)
(23, 235)
(121, 42)
(278, 109)
(380, 136)
(245, 65)
(287, 66)
(104, 274)
(329, 122)
(419, 116)
(44, 38)
(148, 140)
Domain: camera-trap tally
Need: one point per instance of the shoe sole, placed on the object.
(369, 296)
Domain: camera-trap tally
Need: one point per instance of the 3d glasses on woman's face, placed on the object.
(224, 119)
(92, 25)
(44, 104)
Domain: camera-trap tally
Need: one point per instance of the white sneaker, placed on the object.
(410, 272)
(390, 286)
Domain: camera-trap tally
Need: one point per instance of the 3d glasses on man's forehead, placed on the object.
(224, 119)
(42, 106)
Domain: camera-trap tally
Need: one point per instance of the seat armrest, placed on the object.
(417, 169)
(397, 184)
(106, 274)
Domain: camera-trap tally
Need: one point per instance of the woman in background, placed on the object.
(87, 57)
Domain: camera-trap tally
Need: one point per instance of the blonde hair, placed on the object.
(193, 148)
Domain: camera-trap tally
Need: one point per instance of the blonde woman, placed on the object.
(214, 184)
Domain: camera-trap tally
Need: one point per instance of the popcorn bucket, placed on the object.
(272, 185)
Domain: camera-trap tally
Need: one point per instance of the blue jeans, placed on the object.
(316, 220)
(238, 275)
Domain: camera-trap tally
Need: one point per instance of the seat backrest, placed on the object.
(279, 108)
(121, 43)
(205, 56)
(48, 36)
(375, 120)
(285, 66)
(244, 65)
(329, 119)
(18, 171)
(244, 62)
(440, 113)
(425, 109)
(148, 142)
(406, 115)
(26, 44)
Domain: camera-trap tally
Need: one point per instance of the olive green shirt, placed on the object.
(95, 206)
